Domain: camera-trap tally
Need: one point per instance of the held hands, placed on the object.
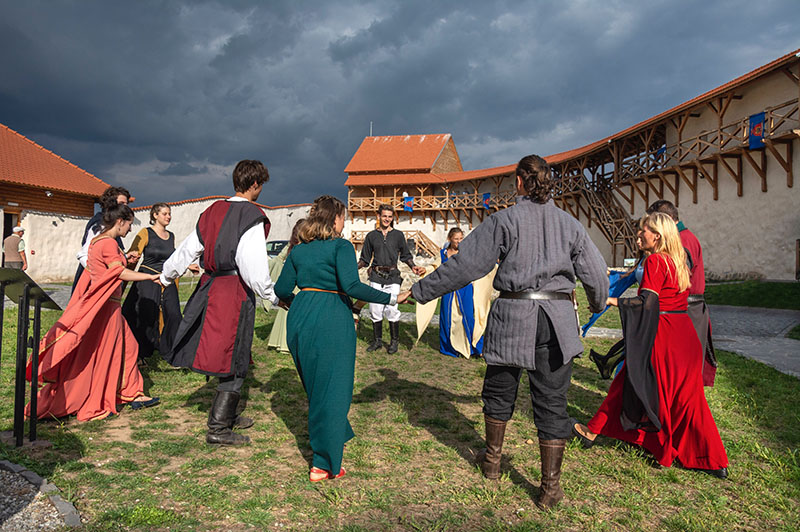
(612, 301)
(419, 270)
(156, 278)
(194, 268)
(133, 256)
(283, 304)
(403, 296)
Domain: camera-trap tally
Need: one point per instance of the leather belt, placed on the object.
(533, 294)
(223, 273)
(323, 290)
(672, 312)
(696, 298)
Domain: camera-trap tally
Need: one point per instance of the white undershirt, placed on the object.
(251, 260)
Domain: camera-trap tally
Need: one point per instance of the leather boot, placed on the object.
(489, 458)
(394, 331)
(552, 454)
(221, 417)
(377, 336)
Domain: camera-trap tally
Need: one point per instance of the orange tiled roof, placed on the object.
(409, 153)
(24, 162)
(205, 198)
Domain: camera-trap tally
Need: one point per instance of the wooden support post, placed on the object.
(760, 169)
(711, 178)
(785, 163)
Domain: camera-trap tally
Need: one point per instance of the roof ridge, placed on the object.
(57, 156)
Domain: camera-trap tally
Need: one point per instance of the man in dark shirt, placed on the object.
(382, 247)
(698, 310)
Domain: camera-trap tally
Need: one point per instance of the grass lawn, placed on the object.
(417, 416)
(755, 294)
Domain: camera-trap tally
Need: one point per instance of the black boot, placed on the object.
(552, 454)
(394, 331)
(489, 458)
(221, 417)
(377, 336)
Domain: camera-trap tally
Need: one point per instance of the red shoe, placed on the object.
(316, 474)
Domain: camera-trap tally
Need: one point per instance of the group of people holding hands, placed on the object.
(538, 253)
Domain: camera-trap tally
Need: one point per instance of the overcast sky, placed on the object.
(165, 97)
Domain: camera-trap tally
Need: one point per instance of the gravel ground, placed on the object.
(24, 508)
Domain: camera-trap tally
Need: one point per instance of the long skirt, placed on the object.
(145, 307)
(688, 431)
(322, 340)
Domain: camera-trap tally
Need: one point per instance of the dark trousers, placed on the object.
(230, 384)
(548, 384)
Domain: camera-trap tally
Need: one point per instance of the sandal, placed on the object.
(316, 474)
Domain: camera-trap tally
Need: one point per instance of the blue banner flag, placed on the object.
(408, 203)
(756, 131)
(486, 196)
(618, 285)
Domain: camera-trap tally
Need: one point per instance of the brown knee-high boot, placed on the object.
(489, 458)
(552, 455)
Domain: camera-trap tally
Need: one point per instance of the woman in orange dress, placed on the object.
(88, 358)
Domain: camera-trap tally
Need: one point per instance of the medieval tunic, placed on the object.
(88, 358)
(153, 313)
(657, 399)
(698, 310)
(463, 299)
(539, 247)
(380, 253)
(216, 333)
(322, 338)
(535, 247)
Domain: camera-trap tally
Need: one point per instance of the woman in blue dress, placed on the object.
(462, 301)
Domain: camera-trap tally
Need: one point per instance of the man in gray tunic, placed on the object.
(540, 250)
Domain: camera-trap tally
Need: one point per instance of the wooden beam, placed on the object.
(735, 174)
(785, 163)
(760, 169)
(642, 194)
(712, 179)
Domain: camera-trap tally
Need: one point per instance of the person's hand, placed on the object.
(283, 304)
(612, 301)
(419, 270)
(156, 278)
(133, 256)
(403, 296)
(194, 268)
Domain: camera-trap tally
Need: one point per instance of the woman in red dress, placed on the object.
(88, 358)
(657, 399)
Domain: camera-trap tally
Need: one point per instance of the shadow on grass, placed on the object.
(437, 415)
(289, 403)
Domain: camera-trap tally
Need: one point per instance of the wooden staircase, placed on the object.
(612, 219)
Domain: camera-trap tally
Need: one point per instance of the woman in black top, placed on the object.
(153, 312)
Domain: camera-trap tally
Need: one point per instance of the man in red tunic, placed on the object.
(216, 333)
(698, 310)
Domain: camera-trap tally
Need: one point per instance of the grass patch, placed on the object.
(418, 422)
(794, 333)
(755, 294)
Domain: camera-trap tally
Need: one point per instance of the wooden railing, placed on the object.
(435, 203)
(424, 245)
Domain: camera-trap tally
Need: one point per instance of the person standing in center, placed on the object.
(216, 333)
(540, 252)
(382, 247)
(319, 328)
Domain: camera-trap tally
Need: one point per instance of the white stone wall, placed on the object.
(53, 240)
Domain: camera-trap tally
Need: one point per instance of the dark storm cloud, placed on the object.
(175, 93)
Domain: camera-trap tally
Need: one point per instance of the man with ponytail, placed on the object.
(216, 333)
(540, 251)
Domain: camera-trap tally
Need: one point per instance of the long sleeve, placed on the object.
(478, 254)
(284, 286)
(83, 254)
(590, 267)
(252, 262)
(347, 277)
(188, 252)
(405, 254)
(366, 253)
(139, 241)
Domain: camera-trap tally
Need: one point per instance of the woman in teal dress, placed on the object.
(320, 330)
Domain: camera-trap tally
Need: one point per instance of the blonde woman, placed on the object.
(657, 400)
